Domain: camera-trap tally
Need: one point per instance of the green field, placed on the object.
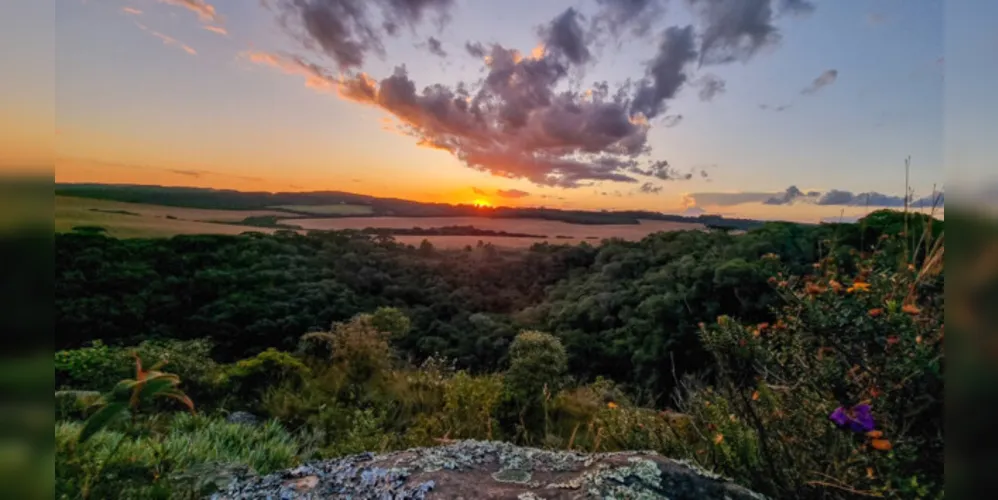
(337, 209)
(136, 220)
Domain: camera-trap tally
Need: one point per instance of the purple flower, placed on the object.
(858, 418)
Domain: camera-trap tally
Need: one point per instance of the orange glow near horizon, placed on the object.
(482, 203)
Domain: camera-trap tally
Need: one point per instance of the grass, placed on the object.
(135, 220)
(338, 209)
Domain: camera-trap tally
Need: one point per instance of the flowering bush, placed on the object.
(841, 396)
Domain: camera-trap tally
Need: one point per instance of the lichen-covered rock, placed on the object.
(490, 470)
(242, 417)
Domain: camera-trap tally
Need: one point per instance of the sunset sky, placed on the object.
(827, 96)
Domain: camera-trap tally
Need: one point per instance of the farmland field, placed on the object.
(569, 233)
(136, 220)
(338, 209)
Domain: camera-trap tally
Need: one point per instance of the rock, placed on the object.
(490, 470)
(242, 417)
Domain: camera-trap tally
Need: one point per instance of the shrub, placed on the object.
(785, 414)
(537, 360)
(96, 367)
(249, 379)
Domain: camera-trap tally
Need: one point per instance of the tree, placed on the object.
(537, 360)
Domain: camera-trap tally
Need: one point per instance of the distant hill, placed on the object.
(224, 199)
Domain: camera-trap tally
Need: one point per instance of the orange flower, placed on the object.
(719, 438)
(611, 405)
(869, 473)
(858, 286)
(876, 312)
(875, 434)
(836, 286)
(911, 309)
(755, 396)
(813, 289)
(762, 326)
(881, 444)
(918, 339)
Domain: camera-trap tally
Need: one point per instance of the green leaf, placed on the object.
(154, 386)
(101, 419)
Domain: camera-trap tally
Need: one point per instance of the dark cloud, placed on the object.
(617, 17)
(515, 125)
(671, 120)
(511, 193)
(650, 188)
(475, 49)
(666, 72)
(710, 87)
(524, 119)
(565, 36)
(347, 30)
(662, 170)
(435, 47)
(735, 30)
(785, 198)
(839, 197)
(823, 80)
(797, 7)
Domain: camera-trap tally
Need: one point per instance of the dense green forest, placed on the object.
(753, 355)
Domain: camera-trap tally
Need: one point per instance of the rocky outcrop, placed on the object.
(490, 470)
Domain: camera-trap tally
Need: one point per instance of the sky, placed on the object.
(775, 109)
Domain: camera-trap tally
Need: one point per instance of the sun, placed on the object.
(482, 203)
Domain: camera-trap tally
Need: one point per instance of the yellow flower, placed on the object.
(859, 286)
(611, 405)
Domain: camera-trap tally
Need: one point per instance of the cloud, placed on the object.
(823, 80)
(839, 197)
(190, 173)
(665, 73)
(204, 10)
(475, 49)
(724, 199)
(131, 11)
(168, 40)
(515, 125)
(791, 195)
(315, 77)
(736, 30)
(526, 118)
(479, 191)
(511, 193)
(778, 109)
(565, 36)
(435, 47)
(615, 17)
(650, 188)
(348, 30)
(710, 86)
(216, 29)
